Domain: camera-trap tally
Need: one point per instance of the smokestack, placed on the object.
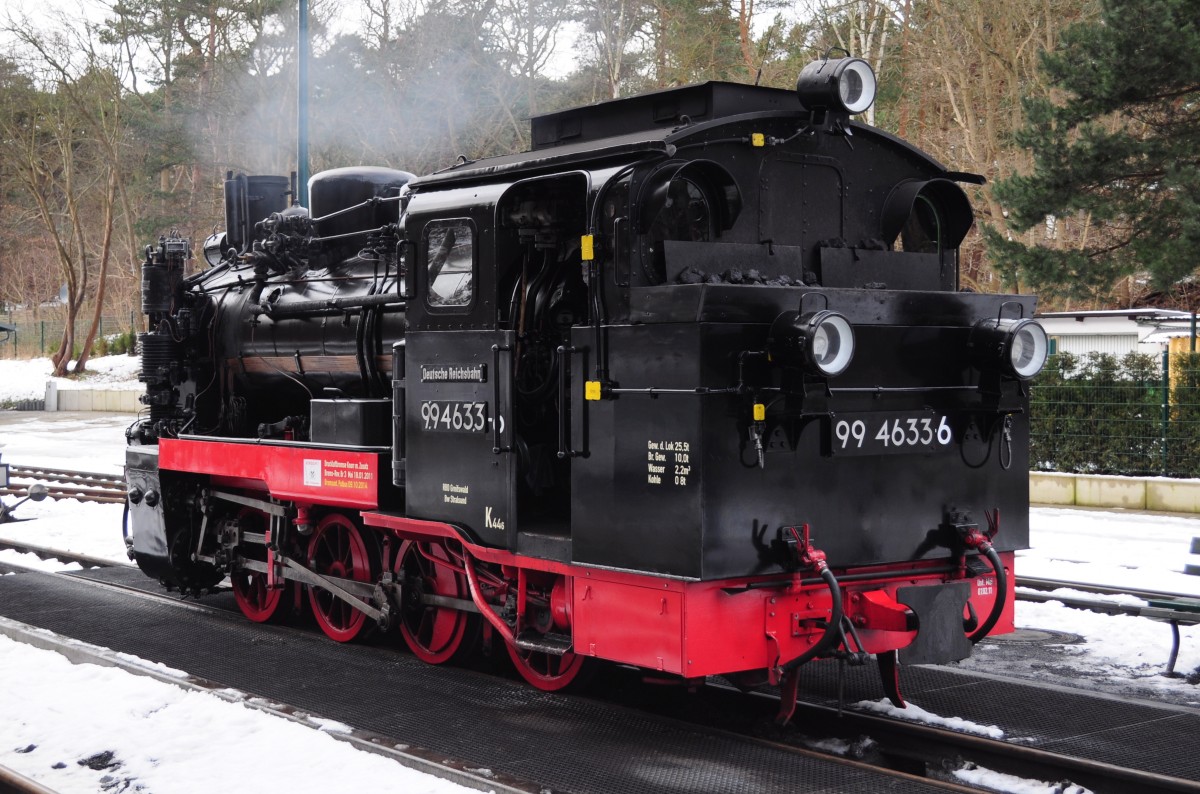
(302, 105)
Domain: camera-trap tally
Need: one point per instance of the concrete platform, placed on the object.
(1156, 494)
(106, 400)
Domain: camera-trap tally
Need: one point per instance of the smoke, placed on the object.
(431, 91)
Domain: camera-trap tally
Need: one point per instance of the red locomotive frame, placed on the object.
(691, 629)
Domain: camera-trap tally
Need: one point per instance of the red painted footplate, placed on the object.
(308, 475)
(700, 628)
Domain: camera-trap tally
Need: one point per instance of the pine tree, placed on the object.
(1116, 145)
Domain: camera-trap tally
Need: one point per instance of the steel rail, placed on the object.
(63, 475)
(11, 780)
(453, 769)
(84, 486)
(1175, 609)
(47, 553)
(1172, 607)
(932, 746)
(913, 742)
(57, 493)
(901, 744)
(1037, 583)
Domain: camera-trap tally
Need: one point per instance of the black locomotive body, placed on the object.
(689, 386)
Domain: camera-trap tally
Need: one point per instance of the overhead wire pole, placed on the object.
(302, 49)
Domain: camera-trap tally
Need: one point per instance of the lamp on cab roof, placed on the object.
(841, 85)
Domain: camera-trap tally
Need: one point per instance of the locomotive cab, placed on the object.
(497, 290)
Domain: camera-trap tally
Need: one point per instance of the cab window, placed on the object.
(450, 263)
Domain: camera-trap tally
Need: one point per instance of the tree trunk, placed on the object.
(102, 278)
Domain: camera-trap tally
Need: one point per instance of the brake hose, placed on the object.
(1001, 592)
(832, 633)
(815, 558)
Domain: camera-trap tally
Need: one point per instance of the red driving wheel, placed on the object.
(338, 549)
(435, 634)
(257, 601)
(546, 671)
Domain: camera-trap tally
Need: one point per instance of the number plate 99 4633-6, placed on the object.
(454, 417)
(890, 433)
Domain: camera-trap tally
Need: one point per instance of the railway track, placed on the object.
(909, 749)
(17, 783)
(47, 553)
(1175, 608)
(460, 770)
(416, 758)
(1047, 585)
(939, 751)
(84, 486)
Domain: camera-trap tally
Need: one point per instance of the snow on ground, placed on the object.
(27, 560)
(81, 440)
(1117, 549)
(991, 780)
(1116, 654)
(914, 713)
(81, 527)
(25, 380)
(84, 728)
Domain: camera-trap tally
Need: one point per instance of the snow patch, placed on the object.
(1117, 599)
(914, 713)
(81, 728)
(330, 726)
(856, 749)
(146, 664)
(1009, 784)
(24, 559)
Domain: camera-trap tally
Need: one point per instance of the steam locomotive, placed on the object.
(690, 386)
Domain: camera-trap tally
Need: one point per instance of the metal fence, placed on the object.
(1099, 414)
(40, 335)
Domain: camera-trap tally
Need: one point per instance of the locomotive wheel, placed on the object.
(435, 635)
(257, 601)
(339, 549)
(546, 671)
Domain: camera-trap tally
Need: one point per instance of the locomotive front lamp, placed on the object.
(214, 248)
(1019, 347)
(820, 342)
(844, 85)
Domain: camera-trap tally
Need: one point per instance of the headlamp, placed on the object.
(820, 342)
(842, 84)
(214, 248)
(1018, 347)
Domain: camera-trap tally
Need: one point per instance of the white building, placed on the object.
(1117, 331)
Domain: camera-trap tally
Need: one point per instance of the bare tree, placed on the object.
(65, 154)
(614, 29)
(525, 33)
(976, 62)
